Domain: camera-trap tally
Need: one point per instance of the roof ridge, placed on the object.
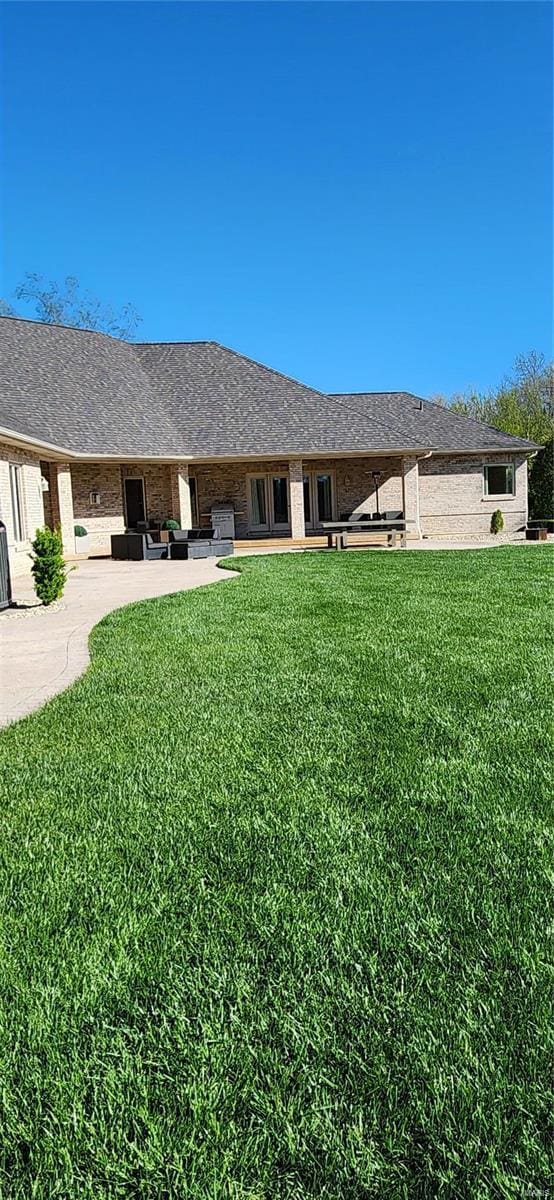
(272, 370)
(189, 342)
(70, 328)
(384, 393)
(350, 407)
(298, 382)
(481, 424)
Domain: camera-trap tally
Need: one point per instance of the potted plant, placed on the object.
(82, 540)
(169, 524)
(497, 521)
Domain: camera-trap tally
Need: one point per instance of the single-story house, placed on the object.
(104, 433)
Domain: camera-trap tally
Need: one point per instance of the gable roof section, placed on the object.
(92, 394)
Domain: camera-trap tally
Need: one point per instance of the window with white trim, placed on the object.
(16, 493)
(499, 479)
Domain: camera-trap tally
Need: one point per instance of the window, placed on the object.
(499, 479)
(324, 498)
(319, 493)
(16, 491)
(307, 499)
(280, 500)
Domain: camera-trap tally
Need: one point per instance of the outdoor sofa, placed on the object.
(198, 543)
(182, 544)
(137, 547)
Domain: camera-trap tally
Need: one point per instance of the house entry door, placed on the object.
(135, 504)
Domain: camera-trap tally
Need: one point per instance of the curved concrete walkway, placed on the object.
(43, 650)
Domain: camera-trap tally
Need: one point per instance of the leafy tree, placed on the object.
(49, 571)
(541, 484)
(523, 404)
(66, 303)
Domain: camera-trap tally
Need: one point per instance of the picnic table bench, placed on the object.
(337, 531)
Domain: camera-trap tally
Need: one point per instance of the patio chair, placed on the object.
(137, 547)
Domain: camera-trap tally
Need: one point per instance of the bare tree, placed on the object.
(66, 303)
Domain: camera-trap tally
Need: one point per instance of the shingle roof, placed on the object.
(83, 391)
(93, 394)
(421, 422)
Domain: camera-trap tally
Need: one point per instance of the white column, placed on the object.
(410, 495)
(180, 492)
(296, 498)
(62, 504)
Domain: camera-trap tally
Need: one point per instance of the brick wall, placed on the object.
(108, 517)
(355, 487)
(101, 520)
(157, 486)
(31, 501)
(450, 491)
(451, 498)
(225, 483)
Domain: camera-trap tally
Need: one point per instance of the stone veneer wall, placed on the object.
(451, 495)
(32, 504)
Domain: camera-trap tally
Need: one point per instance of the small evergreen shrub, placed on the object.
(49, 572)
(171, 524)
(80, 531)
(497, 521)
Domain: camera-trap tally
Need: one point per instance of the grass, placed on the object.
(274, 882)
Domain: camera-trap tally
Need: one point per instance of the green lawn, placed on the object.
(274, 886)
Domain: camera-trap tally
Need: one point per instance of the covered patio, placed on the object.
(269, 500)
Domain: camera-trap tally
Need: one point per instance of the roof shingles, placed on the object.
(91, 394)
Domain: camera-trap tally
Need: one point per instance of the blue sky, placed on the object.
(357, 194)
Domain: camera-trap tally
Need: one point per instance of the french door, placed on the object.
(319, 498)
(268, 503)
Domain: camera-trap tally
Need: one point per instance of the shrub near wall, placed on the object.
(48, 569)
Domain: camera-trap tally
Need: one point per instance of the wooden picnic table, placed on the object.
(337, 531)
